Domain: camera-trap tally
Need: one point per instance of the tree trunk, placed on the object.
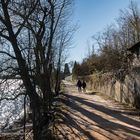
(36, 118)
(57, 85)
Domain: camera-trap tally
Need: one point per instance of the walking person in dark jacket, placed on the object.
(79, 85)
(84, 86)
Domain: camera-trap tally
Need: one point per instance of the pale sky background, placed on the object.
(93, 16)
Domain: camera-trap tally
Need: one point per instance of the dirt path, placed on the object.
(91, 117)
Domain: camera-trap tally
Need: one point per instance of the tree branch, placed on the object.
(8, 99)
(3, 52)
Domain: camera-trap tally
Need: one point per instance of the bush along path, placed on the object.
(93, 117)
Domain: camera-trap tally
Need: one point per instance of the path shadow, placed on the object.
(66, 125)
(102, 122)
(115, 113)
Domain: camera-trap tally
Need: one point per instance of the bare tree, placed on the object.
(21, 22)
(63, 43)
(114, 41)
(129, 25)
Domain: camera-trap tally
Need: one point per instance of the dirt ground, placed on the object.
(93, 117)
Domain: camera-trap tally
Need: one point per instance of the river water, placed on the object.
(10, 109)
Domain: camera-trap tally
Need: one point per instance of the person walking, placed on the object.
(84, 86)
(79, 85)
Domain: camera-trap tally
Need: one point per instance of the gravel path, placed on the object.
(92, 117)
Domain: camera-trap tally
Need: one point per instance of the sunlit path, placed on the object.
(89, 117)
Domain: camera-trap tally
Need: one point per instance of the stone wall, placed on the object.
(122, 87)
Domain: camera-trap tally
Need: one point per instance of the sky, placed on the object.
(93, 16)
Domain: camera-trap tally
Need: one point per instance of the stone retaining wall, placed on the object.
(125, 90)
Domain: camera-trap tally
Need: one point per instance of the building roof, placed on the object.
(134, 47)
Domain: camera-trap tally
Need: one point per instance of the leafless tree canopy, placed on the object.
(33, 36)
(113, 43)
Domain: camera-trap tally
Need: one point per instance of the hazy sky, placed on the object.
(93, 16)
